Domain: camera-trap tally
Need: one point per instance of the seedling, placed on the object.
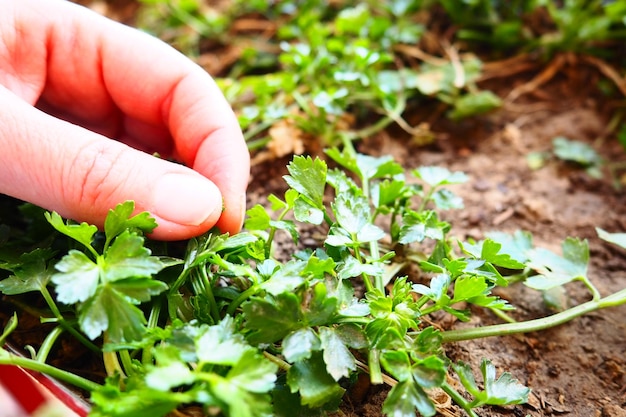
(232, 328)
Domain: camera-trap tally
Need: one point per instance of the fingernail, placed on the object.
(188, 200)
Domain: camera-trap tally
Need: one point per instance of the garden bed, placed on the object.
(516, 181)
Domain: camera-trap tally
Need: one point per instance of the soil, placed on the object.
(576, 369)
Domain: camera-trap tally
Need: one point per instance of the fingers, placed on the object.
(126, 85)
(80, 174)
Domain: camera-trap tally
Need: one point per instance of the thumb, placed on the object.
(81, 175)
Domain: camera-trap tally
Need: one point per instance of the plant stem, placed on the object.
(503, 315)
(612, 300)
(373, 362)
(281, 363)
(7, 358)
(111, 361)
(8, 329)
(48, 343)
(270, 238)
(208, 292)
(179, 281)
(234, 305)
(458, 399)
(153, 321)
(127, 362)
(62, 322)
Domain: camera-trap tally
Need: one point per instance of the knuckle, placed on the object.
(90, 176)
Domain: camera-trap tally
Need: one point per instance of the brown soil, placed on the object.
(577, 369)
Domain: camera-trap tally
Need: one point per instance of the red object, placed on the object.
(22, 388)
(26, 388)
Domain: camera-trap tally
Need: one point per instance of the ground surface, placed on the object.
(577, 369)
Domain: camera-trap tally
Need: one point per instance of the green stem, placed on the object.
(458, 399)
(48, 343)
(8, 329)
(234, 305)
(153, 321)
(208, 292)
(7, 358)
(366, 279)
(127, 362)
(612, 300)
(503, 315)
(281, 363)
(62, 322)
(426, 199)
(270, 238)
(111, 361)
(179, 281)
(373, 363)
(595, 294)
(50, 301)
(370, 130)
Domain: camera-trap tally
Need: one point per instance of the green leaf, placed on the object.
(406, 397)
(164, 378)
(466, 376)
(475, 290)
(139, 290)
(388, 192)
(491, 252)
(312, 381)
(370, 167)
(220, 345)
(272, 318)
(417, 226)
(257, 218)
(473, 104)
(299, 345)
(554, 270)
(429, 372)
(285, 278)
(579, 152)
(365, 166)
(77, 277)
(351, 267)
(437, 291)
(82, 233)
(437, 176)
(515, 245)
(308, 177)
(108, 310)
(304, 211)
(137, 400)
(339, 361)
(446, 200)
(235, 242)
(618, 239)
(398, 364)
(127, 257)
(119, 219)
(352, 212)
(31, 275)
(253, 373)
(504, 390)
(322, 307)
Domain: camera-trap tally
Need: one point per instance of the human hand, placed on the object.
(71, 81)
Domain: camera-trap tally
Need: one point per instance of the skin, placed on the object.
(85, 102)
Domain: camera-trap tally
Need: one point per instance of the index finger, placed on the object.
(95, 69)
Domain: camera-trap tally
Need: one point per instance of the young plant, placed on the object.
(236, 326)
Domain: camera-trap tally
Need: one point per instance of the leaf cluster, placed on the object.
(230, 327)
